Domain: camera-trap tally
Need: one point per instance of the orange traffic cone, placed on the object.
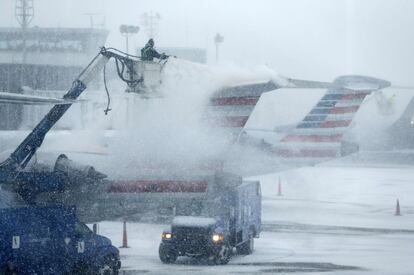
(279, 189)
(124, 238)
(397, 209)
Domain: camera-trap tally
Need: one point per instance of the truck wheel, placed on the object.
(110, 266)
(9, 269)
(167, 255)
(223, 255)
(246, 248)
(83, 269)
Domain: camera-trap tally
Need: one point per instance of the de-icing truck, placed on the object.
(230, 217)
(35, 239)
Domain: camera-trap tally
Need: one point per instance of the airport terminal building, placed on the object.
(42, 59)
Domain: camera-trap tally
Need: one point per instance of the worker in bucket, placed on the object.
(148, 53)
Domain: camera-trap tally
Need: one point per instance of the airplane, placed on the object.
(178, 179)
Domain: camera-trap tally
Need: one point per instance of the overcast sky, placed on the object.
(315, 39)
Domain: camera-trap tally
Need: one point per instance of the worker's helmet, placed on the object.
(151, 42)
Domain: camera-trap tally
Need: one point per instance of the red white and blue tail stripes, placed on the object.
(231, 107)
(320, 133)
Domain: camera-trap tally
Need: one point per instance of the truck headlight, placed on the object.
(166, 236)
(217, 237)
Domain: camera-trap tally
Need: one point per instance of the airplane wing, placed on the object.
(11, 98)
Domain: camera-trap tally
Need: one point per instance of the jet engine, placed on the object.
(76, 172)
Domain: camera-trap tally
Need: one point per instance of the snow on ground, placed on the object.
(331, 219)
(341, 196)
(298, 253)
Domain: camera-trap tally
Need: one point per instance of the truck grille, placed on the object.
(193, 237)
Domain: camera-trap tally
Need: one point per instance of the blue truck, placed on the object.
(229, 218)
(51, 240)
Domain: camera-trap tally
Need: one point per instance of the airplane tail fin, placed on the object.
(230, 108)
(320, 134)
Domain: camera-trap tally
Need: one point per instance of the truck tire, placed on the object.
(167, 255)
(8, 270)
(223, 255)
(110, 266)
(81, 268)
(246, 248)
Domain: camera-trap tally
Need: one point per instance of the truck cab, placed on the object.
(51, 240)
(94, 253)
(230, 218)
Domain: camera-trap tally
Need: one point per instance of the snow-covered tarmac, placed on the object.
(335, 218)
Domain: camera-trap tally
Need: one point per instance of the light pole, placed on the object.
(218, 39)
(93, 23)
(128, 30)
(150, 22)
(24, 13)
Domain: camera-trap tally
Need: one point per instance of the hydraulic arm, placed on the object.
(25, 151)
(28, 184)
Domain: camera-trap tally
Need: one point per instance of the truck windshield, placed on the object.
(218, 206)
(82, 229)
